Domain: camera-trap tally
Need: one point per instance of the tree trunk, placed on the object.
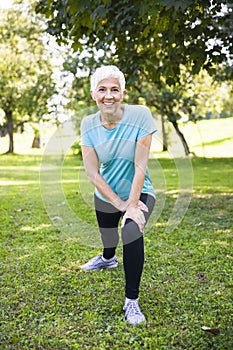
(164, 134)
(181, 136)
(10, 130)
(36, 141)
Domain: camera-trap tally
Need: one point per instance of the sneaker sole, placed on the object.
(101, 268)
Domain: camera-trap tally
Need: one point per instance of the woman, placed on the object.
(115, 148)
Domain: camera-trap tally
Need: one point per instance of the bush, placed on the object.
(76, 149)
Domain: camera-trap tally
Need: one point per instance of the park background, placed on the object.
(177, 58)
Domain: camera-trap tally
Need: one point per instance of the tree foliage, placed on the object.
(26, 81)
(153, 38)
(151, 41)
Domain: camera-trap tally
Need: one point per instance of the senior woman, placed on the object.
(115, 147)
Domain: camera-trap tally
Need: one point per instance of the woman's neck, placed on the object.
(111, 120)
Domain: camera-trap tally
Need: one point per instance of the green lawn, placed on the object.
(206, 138)
(48, 303)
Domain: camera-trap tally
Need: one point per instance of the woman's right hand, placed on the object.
(135, 214)
(142, 206)
(124, 205)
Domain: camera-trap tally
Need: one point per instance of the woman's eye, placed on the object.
(104, 90)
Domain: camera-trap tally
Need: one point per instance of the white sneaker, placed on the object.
(133, 314)
(97, 263)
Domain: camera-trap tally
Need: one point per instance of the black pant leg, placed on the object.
(108, 219)
(133, 251)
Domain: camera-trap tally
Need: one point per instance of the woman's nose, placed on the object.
(108, 94)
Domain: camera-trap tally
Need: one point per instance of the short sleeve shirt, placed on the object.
(115, 148)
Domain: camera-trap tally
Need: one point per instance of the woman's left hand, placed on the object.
(135, 214)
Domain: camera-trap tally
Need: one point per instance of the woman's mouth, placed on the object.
(108, 103)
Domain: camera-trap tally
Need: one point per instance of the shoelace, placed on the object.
(93, 260)
(132, 309)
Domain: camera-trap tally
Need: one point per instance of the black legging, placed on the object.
(108, 218)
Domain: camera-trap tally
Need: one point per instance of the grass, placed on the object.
(48, 230)
(210, 138)
(48, 303)
(206, 138)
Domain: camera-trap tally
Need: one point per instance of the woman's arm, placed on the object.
(135, 207)
(140, 163)
(91, 165)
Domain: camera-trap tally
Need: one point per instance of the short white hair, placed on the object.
(107, 72)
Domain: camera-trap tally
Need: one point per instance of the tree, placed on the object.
(26, 81)
(151, 41)
(195, 98)
(227, 110)
(170, 102)
(153, 38)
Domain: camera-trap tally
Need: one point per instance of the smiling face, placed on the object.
(108, 96)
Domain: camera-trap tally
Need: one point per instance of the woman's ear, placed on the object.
(123, 94)
(92, 95)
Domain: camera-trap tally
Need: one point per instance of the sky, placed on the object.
(5, 3)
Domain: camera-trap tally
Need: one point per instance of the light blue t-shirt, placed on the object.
(115, 147)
